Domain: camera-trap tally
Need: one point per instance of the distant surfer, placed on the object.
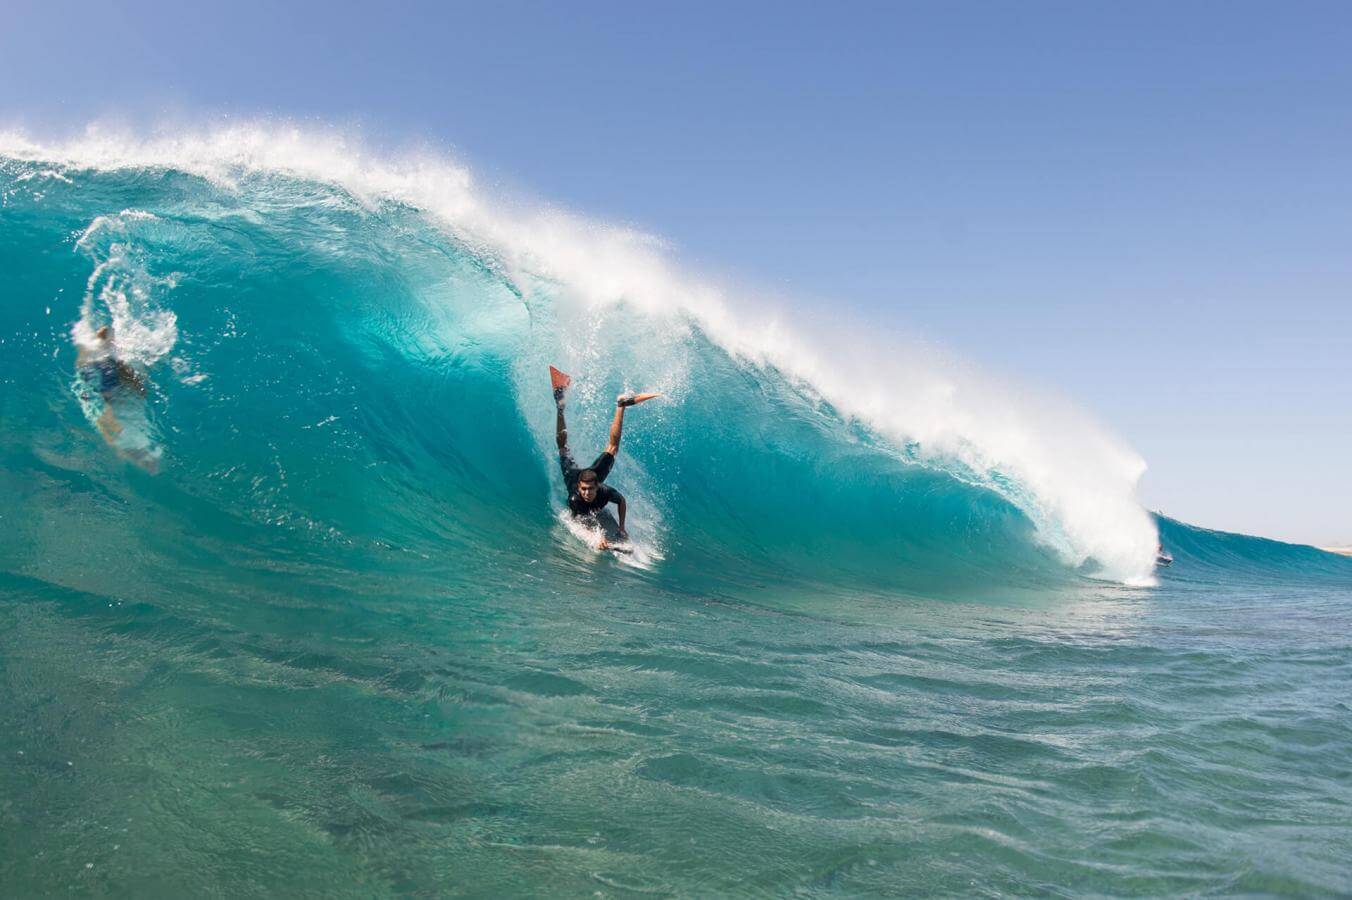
(101, 372)
(588, 496)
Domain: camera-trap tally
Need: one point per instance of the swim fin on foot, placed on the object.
(633, 399)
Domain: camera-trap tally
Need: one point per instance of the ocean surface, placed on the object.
(308, 620)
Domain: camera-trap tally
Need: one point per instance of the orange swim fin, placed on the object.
(633, 399)
(559, 379)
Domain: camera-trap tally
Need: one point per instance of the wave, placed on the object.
(1205, 556)
(352, 350)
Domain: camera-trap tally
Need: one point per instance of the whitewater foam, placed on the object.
(1074, 480)
(122, 293)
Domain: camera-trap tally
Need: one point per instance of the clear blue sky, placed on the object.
(1148, 205)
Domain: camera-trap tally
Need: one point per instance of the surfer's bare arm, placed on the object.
(623, 509)
(616, 430)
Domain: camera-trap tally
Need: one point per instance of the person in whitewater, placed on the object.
(588, 497)
(101, 372)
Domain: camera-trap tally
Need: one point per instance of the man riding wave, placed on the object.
(588, 496)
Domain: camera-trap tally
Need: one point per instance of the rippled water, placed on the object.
(323, 634)
(599, 739)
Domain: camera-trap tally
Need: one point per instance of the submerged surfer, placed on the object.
(100, 371)
(587, 496)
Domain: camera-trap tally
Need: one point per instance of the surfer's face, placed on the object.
(587, 490)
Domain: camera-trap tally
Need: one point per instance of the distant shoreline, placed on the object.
(1342, 551)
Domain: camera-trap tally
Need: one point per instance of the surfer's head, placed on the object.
(587, 484)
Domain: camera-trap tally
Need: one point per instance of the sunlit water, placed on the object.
(338, 643)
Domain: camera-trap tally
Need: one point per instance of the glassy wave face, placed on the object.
(304, 614)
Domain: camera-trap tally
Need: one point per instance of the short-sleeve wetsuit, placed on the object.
(604, 494)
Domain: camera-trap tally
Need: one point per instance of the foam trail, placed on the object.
(121, 293)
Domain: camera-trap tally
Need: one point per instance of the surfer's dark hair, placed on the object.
(587, 475)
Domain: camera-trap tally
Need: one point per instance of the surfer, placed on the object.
(101, 372)
(588, 497)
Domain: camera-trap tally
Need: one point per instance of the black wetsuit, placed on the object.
(604, 494)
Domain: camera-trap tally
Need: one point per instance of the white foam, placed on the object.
(1076, 481)
(120, 292)
(641, 552)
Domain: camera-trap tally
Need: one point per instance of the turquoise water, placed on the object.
(336, 640)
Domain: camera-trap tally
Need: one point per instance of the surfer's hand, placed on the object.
(604, 545)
